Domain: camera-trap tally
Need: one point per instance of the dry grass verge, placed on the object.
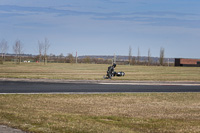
(141, 112)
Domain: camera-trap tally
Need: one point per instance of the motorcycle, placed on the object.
(118, 74)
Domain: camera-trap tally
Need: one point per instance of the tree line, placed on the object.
(43, 47)
(137, 61)
(18, 50)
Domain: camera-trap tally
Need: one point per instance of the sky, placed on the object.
(103, 27)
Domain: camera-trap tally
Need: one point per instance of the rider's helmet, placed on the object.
(114, 65)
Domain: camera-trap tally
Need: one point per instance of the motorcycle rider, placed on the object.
(111, 71)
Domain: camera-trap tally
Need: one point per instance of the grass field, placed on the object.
(102, 113)
(96, 72)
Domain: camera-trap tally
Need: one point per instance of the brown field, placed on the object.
(96, 72)
(97, 113)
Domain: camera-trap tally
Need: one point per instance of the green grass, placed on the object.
(96, 72)
(97, 113)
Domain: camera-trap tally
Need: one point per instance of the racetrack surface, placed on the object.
(93, 87)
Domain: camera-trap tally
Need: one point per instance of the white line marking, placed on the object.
(170, 84)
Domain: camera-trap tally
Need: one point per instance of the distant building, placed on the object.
(187, 62)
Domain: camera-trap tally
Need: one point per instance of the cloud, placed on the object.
(16, 10)
(158, 19)
(148, 18)
(114, 1)
(21, 9)
(50, 10)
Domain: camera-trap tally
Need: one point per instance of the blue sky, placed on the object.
(103, 27)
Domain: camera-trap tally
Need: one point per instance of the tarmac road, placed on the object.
(94, 87)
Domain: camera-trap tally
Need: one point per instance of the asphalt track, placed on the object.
(27, 87)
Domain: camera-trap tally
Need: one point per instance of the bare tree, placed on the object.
(162, 54)
(87, 59)
(138, 56)
(40, 50)
(134, 60)
(4, 48)
(46, 48)
(61, 58)
(130, 55)
(76, 57)
(149, 57)
(43, 47)
(18, 50)
(70, 58)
